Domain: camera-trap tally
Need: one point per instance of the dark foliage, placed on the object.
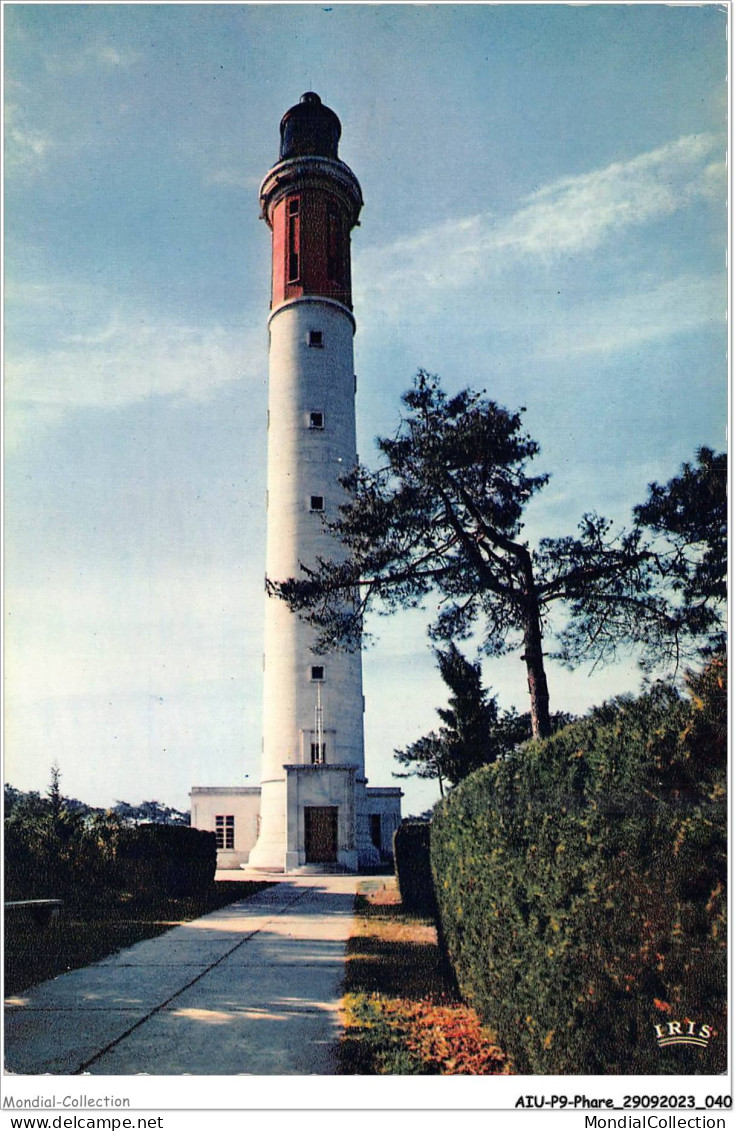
(475, 732)
(57, 847)
(689, 514)
(151, 812)
(413, 866)
(470, 736)
(581, 887)
(170, 859)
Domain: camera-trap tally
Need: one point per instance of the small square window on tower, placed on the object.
(316, 419)
(316, 338)
(317, 673)
(316, 503)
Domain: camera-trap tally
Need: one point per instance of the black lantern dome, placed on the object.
(309, 129)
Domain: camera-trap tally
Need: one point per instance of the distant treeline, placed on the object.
(147, 811)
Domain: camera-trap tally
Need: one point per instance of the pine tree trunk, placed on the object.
(533, 655)
(538, 691)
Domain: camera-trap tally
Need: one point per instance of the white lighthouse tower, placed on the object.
(315, 810)
(313, 801)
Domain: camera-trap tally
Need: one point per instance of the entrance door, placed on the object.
(320, 828)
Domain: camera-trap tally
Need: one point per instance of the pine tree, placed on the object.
(472, 735)
(443, 515)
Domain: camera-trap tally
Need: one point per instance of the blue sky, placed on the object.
(545, 197)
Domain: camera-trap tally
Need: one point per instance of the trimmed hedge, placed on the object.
(172, 860)
(413, 866)
(98, 864)
(580, 887)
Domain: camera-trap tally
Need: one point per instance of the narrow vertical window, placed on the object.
(318, 753)
(294, 234)
(333, 244)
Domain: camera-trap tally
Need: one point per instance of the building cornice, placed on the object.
(240, 790)
(319, 767)
(298, 173)
(322, 299)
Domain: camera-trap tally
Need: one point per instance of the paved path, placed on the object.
(253, 989)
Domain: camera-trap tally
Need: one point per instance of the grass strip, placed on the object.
(400, 1013)
(83, 935)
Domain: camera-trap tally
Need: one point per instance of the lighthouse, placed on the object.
(315, 811)
(313, 788)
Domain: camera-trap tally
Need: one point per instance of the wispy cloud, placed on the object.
(25, 147)
(571, 216)
(233, 178)
(122, 362)
(97, 53)
(221, 163)
(125, 361)
(111, 55)
(577, 214)
(643, 314)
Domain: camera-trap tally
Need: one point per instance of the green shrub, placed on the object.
(96, 859)
(413, 866)
(59, 855)
(580, 886)
(172, 860)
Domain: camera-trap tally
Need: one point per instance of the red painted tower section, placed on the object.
(311, 247)
(311, 203)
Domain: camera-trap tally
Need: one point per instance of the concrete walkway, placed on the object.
(252, 989)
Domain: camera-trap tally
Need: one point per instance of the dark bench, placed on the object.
(41, 911)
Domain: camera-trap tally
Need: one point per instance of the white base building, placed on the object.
(233, 813)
